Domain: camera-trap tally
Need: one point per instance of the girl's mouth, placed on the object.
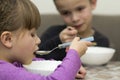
(34, 53)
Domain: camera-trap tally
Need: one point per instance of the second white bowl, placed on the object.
(44, 67)
(97, 55)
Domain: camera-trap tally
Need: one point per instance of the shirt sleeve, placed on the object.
(65, 71)
(69, 67)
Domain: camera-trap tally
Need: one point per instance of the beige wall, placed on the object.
(107, 7)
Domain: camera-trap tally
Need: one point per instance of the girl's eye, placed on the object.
(80, 8)
(32, 34)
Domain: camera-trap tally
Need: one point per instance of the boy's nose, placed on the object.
(75, 17)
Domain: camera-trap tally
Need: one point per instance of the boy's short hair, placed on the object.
(15, 14)
(55, 0)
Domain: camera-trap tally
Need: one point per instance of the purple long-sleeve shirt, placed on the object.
(65, 71)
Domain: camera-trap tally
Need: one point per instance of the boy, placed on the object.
(77, 15)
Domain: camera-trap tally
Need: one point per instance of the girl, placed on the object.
(19, 20)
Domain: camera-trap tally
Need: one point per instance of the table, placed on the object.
(111, 71)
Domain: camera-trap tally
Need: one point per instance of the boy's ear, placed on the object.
(93, 4)
(6, 39)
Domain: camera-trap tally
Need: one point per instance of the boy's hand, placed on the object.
(81, 73)
(68, 34)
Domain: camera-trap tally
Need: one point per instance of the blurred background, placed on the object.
(106, 19)
(106, 7)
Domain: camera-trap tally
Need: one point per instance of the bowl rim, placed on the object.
(32, 67)
(97, 47)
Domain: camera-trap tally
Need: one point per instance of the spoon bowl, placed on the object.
(45, 52)
(42, 52)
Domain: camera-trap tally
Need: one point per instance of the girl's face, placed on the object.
(25, 44)
(76, 13)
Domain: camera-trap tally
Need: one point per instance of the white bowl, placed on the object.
(97, 56)
(43, 67)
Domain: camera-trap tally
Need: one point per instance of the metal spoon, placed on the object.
(45, 52)
(64, 45)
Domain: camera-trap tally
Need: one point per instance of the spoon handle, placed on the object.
(64, 45)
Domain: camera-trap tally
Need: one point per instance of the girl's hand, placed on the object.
(80, 46)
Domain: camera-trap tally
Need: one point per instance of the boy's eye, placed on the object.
(65, 13)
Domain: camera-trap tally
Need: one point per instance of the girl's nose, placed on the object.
(38, 41)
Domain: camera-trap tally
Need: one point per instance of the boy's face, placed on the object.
(76, 13)
(25, 45)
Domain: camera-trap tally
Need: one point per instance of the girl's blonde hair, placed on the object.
(16, 14)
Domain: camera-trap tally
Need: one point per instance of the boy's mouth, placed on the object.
(78, 26)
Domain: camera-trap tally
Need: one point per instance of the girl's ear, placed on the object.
(6, 39)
